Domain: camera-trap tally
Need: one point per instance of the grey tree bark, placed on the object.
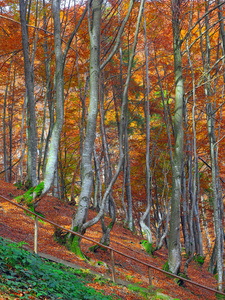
(174, 252)
(51, 162)
(81, 215)
(94, 24)
(217, 201)
(146, 229)
(130, 220)
(94, 18)
(29, 81)
(5, 158)
(59, 87)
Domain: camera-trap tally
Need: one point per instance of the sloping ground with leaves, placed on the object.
(17, 226)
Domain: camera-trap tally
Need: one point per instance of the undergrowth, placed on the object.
(27, 276)
(148, 247)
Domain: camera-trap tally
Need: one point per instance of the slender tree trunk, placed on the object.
(11, 128)
(216, 201)
(29, 81)
(94, 20)
(130, 220)
(146, 227)
(4, 125)
(174, 254)
(59, 87)
(122, 125)
(21, 139)
(210, 111)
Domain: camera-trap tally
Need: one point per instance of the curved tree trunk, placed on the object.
(79, 223)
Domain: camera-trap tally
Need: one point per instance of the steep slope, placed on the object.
(17, 226)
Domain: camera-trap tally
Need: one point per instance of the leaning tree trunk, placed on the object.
(174, 254)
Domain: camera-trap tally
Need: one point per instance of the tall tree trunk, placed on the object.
(210, 111)
(59, 87)
(174, 254)
(130, 220)
(94, 23)
(82, 207)
(4, 125)
(11, 127)
(216, 200)
(146, 227)
(29, 81)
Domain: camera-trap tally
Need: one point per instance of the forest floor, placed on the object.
(17, 226)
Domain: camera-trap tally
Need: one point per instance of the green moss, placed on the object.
(199, 259)
(39, 188)
(148, 247)
(28, 197)
(70, 241)
(73, 245)
(111, 225)
(166, 267)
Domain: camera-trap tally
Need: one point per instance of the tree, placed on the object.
(174, 254)
(29, 80)
(81, 214)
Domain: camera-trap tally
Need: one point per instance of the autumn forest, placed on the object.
(118, 107)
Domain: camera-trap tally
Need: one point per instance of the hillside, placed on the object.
(17, 226)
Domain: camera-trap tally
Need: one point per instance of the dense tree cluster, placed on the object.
(119, 106)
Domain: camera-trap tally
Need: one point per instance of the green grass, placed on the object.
(32, 277)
